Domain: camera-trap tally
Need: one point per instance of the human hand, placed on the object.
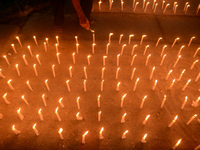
(85, 24)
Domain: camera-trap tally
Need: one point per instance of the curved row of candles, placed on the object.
(145, 5)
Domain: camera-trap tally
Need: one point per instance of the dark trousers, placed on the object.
(59, 5)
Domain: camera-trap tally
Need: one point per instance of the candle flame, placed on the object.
(137, 79)
(99, 112)
(56, 37)
(195, 115)
(189, 80)
(147, 46)
(13, 127)
(77, 115)
(56, 111)
(144, 97)
(147, 117)
(99, 96)
(149, 55)
(12, 44)
(60, 130)
(179, 141)
(131, 35)
(85, 133)
(39, 111)
(102, 129)
(5, 95)
(135, 45)
(118, 55)
(118, 83)
(34, 126)
(18, 111)
(58, 54)
(144, 136)
(118, 68)
(88, 56)
(111, 34)
(46, 80)
(124, 115)
(67, 81)
(125, 132)
(60, 100)
(176, 118)
(9, 81)
(22, 96)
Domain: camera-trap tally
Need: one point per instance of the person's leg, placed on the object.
(58, 9)
(86, 7)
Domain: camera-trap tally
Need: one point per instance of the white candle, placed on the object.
(123, 118)
(179, 52)
(155, 8)
(135, 6)
(147, 60)
(154, 86)
(165, 8)
(88, 59)
(102, 85)
(172, 84)
(35, 130)
(57, 40)
(198, 8)
(183, 105)
(144, 139)
(5, 99)
(47, 40)
(120, 38)
(122, 100)
(98, 101)
(104, 60)
(76, 38)
(29, 86)
(53, 70)
(25, 61)
(117, 73)
(57, 115)
(85, 72)
(10, 85)
(168, 75)
(16, 66)
(175, 146)
(176, 61)
(100, 133)
(124, 134)
(99, 5)
(19, 114)
(143, 4)
(60, 102)
(102, 73)
(19, 41)
(173, 121)
(190, 41)
(6, 60)
(47, 86)
(191, 119)
(122, 50)
(56, 47)
(118, 59)
(163, 58)
(107, 46)
(181, 75)
(45, 46)
(58, 58)
(151, 75)
(99, 116)
(197, 78)
(196, 52)
(133, 72)
(136, 82)
(35, 69)
(133, 59)
(117, 89)
(84, 85)
(133, 49)
(68, 87)
(78, 117)
(160, 38)
(187, 8)
(142, 38)
(192, 66)
(186, 85)
(70, 71)
(145, 120)
(146, 6)
(73, 57)
(77, 102)
(122, 6)
(129, 38)
(142, 103)
(109, 40)
(34, 37)
(93, 36)
(175, 8)
(60, 133)
(43, 99)
(83, 137)
(23, 98)
(163, 50)
(29, 49)
(77, 47)
(15, 130)
(145, 50)
(175, 42)
(13, 46)
(1, 75)
(163, 102)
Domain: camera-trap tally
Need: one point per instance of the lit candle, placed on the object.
(122, 50)
(60, 102)
(19, 41)
(35, 130)
(123, 118)
(181, 75)
(57, 40)
(102, 85)
(136, 82)
(163, 58)
(175, 8)
(118, 59)
(6, 60)
(173, 121)
(151, 75)
(172, 84)
(10, 85)
(104, 60)
(68, 87)
(53, 70)
(117, 72)
(163, 50)
(191, 41)
(83, 137)
(163, 2)
(85, 72)
(25, 61)
(93, 36)
(29, 49)
(176, 61)
(1, 75)
(13, 46)
(197, 78)
(129, 38)
(122, 100)
(100, 133)
(56, 47)
(168, 75)
(155, 8)
(23, 98)
(77, 47)
(99, 5)
(76, 38)
(88, 59)
(16, 66)
(147, 60)
(77, 102)
(122, 6)
(58, 58)
(98, 101)
(146, 6)
(58, 116)
(73, 57)
(117, 89)
(145, 50)
(110, 4)
(183, 105)
(84, 85)
(78, 117)
(177, 144)
(195, 104)
(99, 116)
(29, 86)
(133, 58)
(124, 134)
(109, 41)
(198, 8)
(120, 38)
(165, 8)
(141, 105)
(5, 99)
(175, 42)
(34, 37)
(174, 5)
(47, 86)
(163, 102)
(43, 99)
(186, 85)
(133, 49)
(135, 6)
(47, 40)
(19, 114)
(102, 73)
(153, 4)
(35, 69)
(15, 130)
(133, 72)
(107, 46)
(192, 66)
(143, 4)
(60, 133)
(160, 38)
(145, 120)
(191, 119)
(144, 139)
(70, 71)
(179, 52)
(187, 8)
(196, 52)
(143, 36)
(154, 86)
(37, 57)
(45, 46)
